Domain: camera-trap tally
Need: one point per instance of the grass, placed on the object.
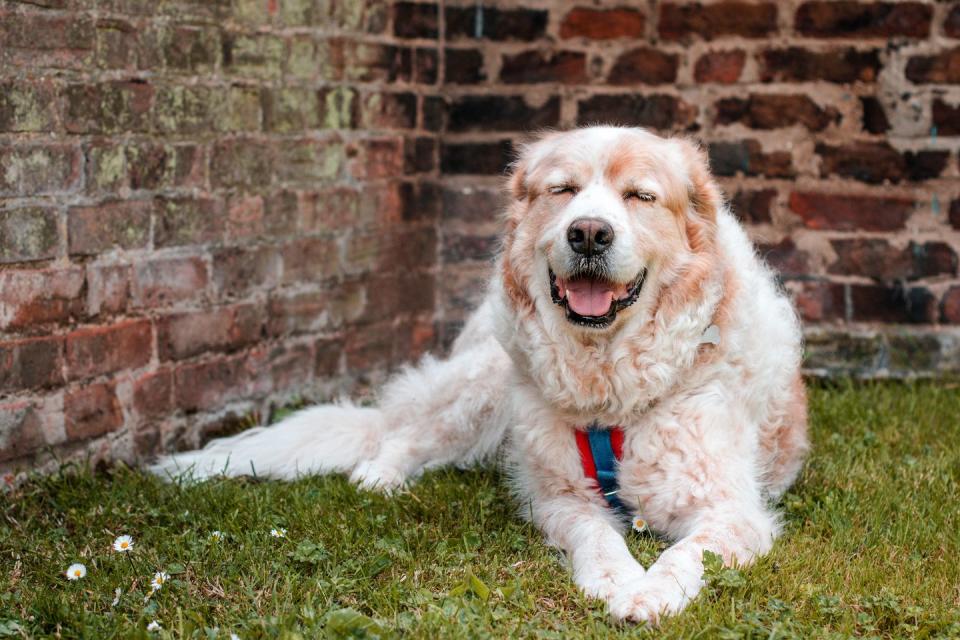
(870, 548)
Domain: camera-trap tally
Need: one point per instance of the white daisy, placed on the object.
(158, 579)
(216, 536)
(154, 626)
(234, 636)
(639, 524)
(123, 544)
(76, 571)
(278, 533)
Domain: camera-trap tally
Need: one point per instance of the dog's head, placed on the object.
(603, 221)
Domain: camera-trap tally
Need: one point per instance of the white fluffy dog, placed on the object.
(626, 300)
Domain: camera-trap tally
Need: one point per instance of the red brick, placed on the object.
(489, 158)
(91, 410)
(501, 113)
(328, 357)
(377, 158)
(498, 24)
(875, 258)
(153, 394)
(31, 364)
(463, 66)
(21, 429)
(108, 288)
(225, 329)
(942, 68)
(749, 20)
(946, 118)
(851, 212)
(753, 206)
(309, 260)
(426, 65)
(849, 19)
(644, 66)
(876, 162)
(819, 301)
(28, 234)
(165, 282)
(185, 221)
(773, 111)
(536, 66)
(27, 106)
(381, 110)
(95, 351)
(122, 224)
(661, 112)
(291, 367)
(796, 64)
(157, 166)
(109, 107)
(34, 297)
(211, 384)
(37, 39)
(874, 116)
(315, 311)
(419, 155)
(876, 303)
(237, 270)
(747, 157)
(723, 67)
(955, 214)
(950, 306)
(241, 162)
(603, 24)
(786, 258)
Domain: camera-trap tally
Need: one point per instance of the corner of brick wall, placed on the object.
(210, 208)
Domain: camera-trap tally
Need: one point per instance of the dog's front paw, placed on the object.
(648, 600)
(604, 581)
(378, 477)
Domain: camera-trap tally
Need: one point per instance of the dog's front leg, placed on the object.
(737, 531)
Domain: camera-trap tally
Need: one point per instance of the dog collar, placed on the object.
(600, 449)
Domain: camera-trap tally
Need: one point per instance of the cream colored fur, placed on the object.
(713, 433)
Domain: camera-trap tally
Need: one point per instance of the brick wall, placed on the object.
(834, 128)
(209, 208)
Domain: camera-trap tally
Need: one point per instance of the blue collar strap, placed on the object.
(600, 448)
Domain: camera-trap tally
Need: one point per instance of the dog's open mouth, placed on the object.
(594, 301)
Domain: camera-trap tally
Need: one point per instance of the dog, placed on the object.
(627, 313)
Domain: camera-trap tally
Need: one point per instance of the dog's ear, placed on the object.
(517, 183)
(704, 193)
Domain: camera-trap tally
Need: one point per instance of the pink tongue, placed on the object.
(589, 297)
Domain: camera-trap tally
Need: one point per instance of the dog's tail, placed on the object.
(323, 439)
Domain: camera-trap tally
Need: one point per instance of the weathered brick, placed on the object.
(253, 55)
(490, 158)
(661, 112)
(876, 162)
(290, 109)
(39, 169)
(839, 352)
(91, 410)
(124, 224)
(28, 234)
(191, 48)
(415, 20)
(773, 111)
(291, 366)
(426, 65)
(40, 38)
(106, 167)
(211, 384)
(747, 157)
(165, 282)
(188, 109)
(308, 161)
(109, 107)
(31, 364)
(753, 206)
(158, 166)
(851, 212)
(118, 45)
(942, 68)
(464, 247)
(27, 107)
(955, 214)
(951, 24)
(876, 303)
(501, 113)
(376, 158)
(535, 66)
(314, 311)
(723, 67)
(184, 335)
(32, 297)
(946, 118)
(495, 24)
(784, 256)
(820, 301)
(434, 113)
(21, 429)
(463, 66)
(94, 351)
(309, 260)
(241, 162)
(874, 116)
(796, 64)
(153, 394)
(877, 259)
(108, 288)
(238, 270)
(849, 19)
(950, 306)
(340, 108)
(184, 221)
(749, 20)
(644, 65)
(389, 111)
(419, 155)
(373, 62)
(603, 24)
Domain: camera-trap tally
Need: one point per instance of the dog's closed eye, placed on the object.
(642, 196)
(562, 189)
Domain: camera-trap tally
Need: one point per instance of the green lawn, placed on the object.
(870, 548)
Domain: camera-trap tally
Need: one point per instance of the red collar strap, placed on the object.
(600, 450)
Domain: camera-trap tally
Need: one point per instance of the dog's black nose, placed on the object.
(590, 236)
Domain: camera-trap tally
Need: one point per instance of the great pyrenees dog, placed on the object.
(632, 359)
